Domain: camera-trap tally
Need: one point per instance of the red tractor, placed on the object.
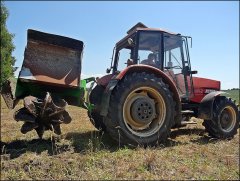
(151, 89)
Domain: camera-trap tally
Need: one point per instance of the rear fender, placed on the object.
(205, 110)
(106, 96)
(140, 68)
(103, 81)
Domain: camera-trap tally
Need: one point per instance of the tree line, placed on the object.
(7, 48)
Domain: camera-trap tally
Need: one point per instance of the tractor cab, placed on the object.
(160, 49)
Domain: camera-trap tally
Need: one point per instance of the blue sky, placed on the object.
(214, 27)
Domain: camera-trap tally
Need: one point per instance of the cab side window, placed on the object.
(123, 56)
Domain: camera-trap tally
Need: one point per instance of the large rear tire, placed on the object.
(225, 120)
(95, 117)
(141, 110)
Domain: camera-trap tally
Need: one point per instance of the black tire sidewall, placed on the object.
(95, 117)
(95, 96)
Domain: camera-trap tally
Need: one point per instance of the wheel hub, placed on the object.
(225, 119)
(143, 110)
(228, 119)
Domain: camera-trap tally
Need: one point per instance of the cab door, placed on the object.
(177, 64)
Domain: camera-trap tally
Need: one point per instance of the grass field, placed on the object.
(82, 152)
(234, 94)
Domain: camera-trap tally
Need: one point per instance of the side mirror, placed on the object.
(131, 42)
(187, 71)
(194, 72)
(108, 70)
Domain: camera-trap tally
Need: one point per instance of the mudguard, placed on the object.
(106, 96)
(205, 109)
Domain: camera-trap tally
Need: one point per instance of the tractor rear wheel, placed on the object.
(141, 110)
(225, 119)
(95, 117)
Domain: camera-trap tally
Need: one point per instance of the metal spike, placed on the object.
(65, 117)
(40, 130)
(58, 121)
(47, 100)
(26, 127)
(49, 127)
(57, 128)
(29, 104)
(23, 115)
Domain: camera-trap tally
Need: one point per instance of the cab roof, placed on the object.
(141, 27)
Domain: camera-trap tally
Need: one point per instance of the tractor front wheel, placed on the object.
(141, 110)
(224, 123)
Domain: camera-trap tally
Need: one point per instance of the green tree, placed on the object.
(7, 47)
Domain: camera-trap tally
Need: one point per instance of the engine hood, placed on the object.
(202, 87)
(199, 82)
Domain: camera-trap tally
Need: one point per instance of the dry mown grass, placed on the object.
(84, 153)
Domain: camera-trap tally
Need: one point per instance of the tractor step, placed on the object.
(188, 122)
(187, 112)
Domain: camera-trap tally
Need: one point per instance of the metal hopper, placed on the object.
(52, 59)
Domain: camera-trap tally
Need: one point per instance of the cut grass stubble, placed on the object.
(82, 152)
